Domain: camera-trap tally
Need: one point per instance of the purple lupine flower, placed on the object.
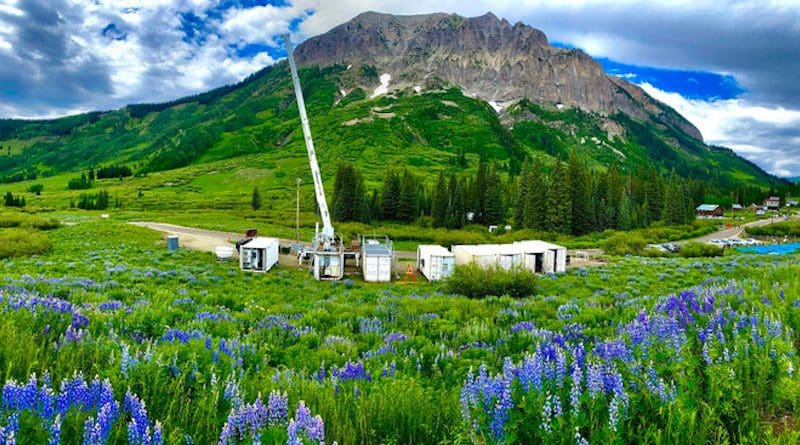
(304, 426)
(277, 407)
(575, 390)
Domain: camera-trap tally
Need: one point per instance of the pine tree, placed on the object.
(440, 202)
(522, 195)
(494, 210)
(536, 205)
(407, 209)
(558, 214)
(580, 188)
(91, 174)
(349, 195)
(479, 193)
(456, 212)
(390, 196)
(255, 199)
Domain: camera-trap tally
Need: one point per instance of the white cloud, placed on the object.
(768, 136)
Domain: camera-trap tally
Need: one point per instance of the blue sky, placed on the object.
(729, 66)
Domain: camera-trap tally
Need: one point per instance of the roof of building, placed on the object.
(737, 206)
(707, 207)
(377, 249)
(434, 249)
(537, 245)
(261, 243)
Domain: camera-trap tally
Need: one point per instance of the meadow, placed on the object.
(109, 338)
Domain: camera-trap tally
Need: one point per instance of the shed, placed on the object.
(377, 259)
(435, 262)
(736, 207)
(543, 257)
(709, 210)
(484, 255)
(259, 254)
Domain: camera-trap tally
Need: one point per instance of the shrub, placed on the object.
(624, 243)
(81, 183)
(694, 249)
(474, 281)
(22, 220)
(36, 188)
(19, 242)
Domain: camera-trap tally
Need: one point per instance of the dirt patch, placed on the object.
(450, 103)
(356, 121)
(385, 115)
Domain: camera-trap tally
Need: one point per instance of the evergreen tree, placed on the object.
(407, 209)
(441, 202)
(522, 195)
(456, 203)
(494, 210)
(91, 174)
(479, 193)
(536, 205)
(390, 196)
(558, 215)
(349, 195)
(255, 199)
(581, 191)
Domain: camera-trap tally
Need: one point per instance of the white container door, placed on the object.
(448, 264)
(370, 268)
(384, 268)
(530, 262)
(435, 270)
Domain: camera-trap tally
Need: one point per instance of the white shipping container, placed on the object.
(543, 257)
(435, 262)
(377, 264)
(259, 254)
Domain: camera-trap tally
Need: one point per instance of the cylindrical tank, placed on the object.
(172, 243)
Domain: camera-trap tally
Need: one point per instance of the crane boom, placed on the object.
(327, 227)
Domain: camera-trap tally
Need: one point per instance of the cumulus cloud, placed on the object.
(767, 136)
(63, 56)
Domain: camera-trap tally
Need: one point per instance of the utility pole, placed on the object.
(297, 215)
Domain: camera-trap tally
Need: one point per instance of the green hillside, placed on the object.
(216, 146)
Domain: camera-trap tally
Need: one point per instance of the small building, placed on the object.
(536, 256)
(259, 254)
(543, 257)
(772, 203)
(709, 210)
(755, 207)
(435, 262)
(791, 203)
(377, 259)
(484, 255)
(737, 207)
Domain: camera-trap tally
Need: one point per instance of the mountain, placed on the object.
(460, 89)
(487, 57)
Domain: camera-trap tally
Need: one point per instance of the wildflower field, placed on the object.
(108, 338)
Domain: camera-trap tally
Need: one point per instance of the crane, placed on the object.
(328, 260)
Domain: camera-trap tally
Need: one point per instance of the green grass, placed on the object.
(289, 326)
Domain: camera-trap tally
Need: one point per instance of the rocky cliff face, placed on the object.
(487, 57)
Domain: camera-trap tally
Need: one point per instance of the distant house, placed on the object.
(791, 203)
(772, 203)
(755, 207)
(709, 210)
(737, 207)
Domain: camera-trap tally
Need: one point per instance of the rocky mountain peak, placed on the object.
(487, 57)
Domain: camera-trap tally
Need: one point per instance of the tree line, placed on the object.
(568, 197)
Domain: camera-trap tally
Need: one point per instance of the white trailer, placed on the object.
(377, 262)
(259, 254)
(435, 262)
(542, 257)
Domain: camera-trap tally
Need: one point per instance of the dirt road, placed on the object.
(733, 232)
